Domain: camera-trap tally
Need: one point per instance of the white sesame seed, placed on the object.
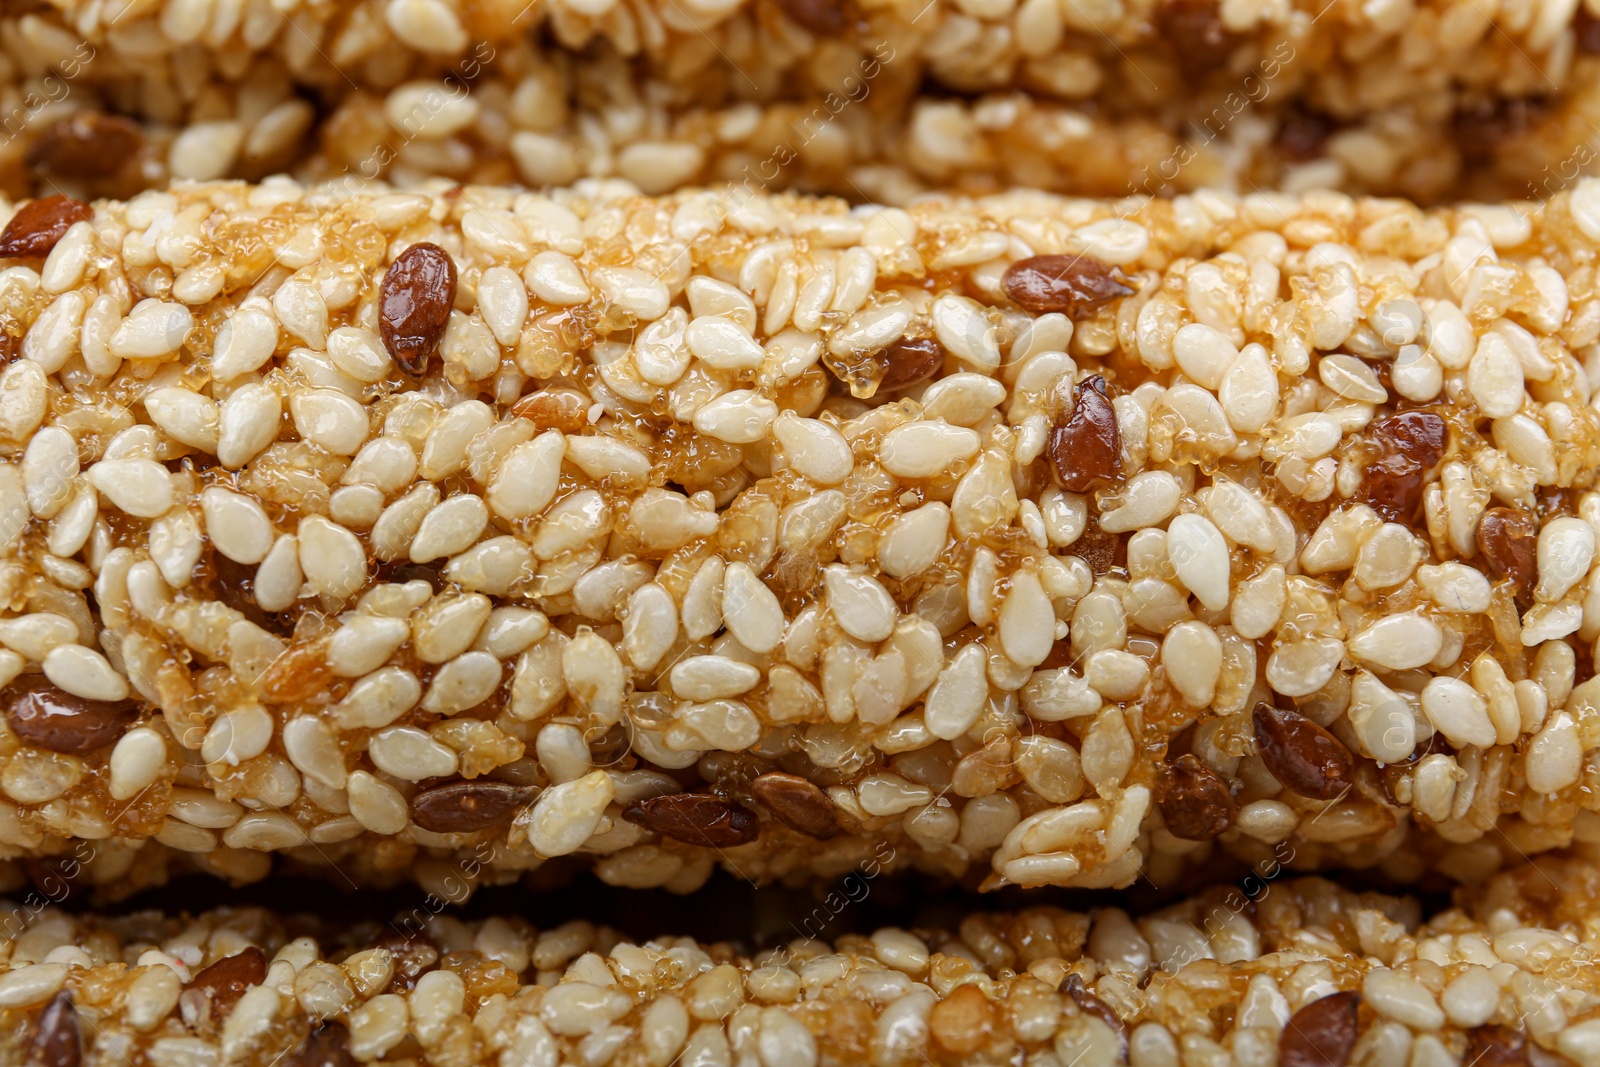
(963, 399)
(463, 683)
(565, 815)
(377, 805)
(249, 424)
(138, 487)
(817, 450)
(153, 329)
(526, 481)
(31, 984)
(1026, 621)
(1148, 500)
(409, 753)
(1565, 551)
(311, 746)
(85, 673)
(278, 579)
(238, 735)
(449, 528)
(379, 698)
(53, 338)
(426, 25)
(1205, 354)
(860, 605)
(1456, 710)
(332, 558)
(136, 762)
(554, 278)
(1398, 642)
(1494, 378)
(926, 449)
(430, 110)
(957, 698)
(359, 354)
(633, 292)
(330, 420)
(738, 417)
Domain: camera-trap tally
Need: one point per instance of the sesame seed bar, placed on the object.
(106, 100)
(1296, 973)
(1034, 539)
(1345, 58)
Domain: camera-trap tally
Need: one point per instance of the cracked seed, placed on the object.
(1322, 1033)
(797, 803)
(36, 227)
(1195, 800)
(695, 818)
(1086, 450)
(1302, 755)
(462, 807)
(1074, 285)
(47, 717)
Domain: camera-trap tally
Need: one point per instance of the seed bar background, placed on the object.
(1441, 103)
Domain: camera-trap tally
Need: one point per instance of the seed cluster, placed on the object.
(1440, 99)
(394, 528)
(1307, 975)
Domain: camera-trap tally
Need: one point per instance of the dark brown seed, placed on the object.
(1087, 1001)
(909, 362)
(47, 717)
(825, 18)
(1422, 435)
(86, 144)
(326, 1046)
(1322, 1033)
(1509, 541)
(1086, 450)
(1303, 135)
(1195, 801)
(1496, 1046)
(1410, 445)
(462, 807)
(1074, 285)
(414, 304)
(1483, 127)
(1302, 755)
(695, 818)
(797, 803)
(1194, 30)
(226, 980)
(36, 227)
(56, 1042)
(566, 410)
(414, 956)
